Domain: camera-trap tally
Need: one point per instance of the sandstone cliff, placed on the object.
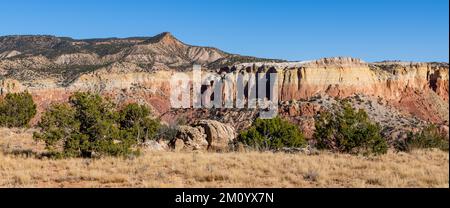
(139, 69)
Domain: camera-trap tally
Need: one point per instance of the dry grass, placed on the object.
(169, 169)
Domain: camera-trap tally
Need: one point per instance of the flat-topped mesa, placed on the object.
(323, 62)
(336, 61)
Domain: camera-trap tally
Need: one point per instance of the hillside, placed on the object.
(29, 57)
(401, 96)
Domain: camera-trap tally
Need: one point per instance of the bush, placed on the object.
(274, 133)
(89, 126)
(134, 119)
(429, 137)
(348, 131)
(17, 109)
(58, 124)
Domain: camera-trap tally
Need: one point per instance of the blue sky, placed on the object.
(412, 30)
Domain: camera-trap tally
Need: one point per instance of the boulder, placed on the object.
(193, 138)
(218, 135)
(204, 135)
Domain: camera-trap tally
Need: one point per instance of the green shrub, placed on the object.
(90, 126)
(348, 131)
(58, 124)
(428, 137)
(274, 133)
(134, 119)
(17, 109)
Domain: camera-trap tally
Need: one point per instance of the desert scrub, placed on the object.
(348, 131)
(267, 134)
(90, 126)
(429, 137)
(135, 120)
(17, 109)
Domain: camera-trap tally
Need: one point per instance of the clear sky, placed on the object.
(374, 30)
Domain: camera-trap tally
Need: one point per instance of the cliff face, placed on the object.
(139, 69)
(417, 88)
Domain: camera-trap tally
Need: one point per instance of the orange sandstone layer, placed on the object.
(419, 89)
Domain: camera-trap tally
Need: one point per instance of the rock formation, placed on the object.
(139, 69)
(218, 135)
(204, 135)
(188, 137)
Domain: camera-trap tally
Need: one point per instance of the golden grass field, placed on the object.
(19, 168)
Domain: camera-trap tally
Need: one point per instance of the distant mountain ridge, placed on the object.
(51, 47)
(30, 57)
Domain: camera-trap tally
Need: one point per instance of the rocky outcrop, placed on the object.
(139, 70)
(191, 138)
(412, 89)
(204, 135)
(218, 135)
(10, 86)
(9, 54)
(420, 89)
